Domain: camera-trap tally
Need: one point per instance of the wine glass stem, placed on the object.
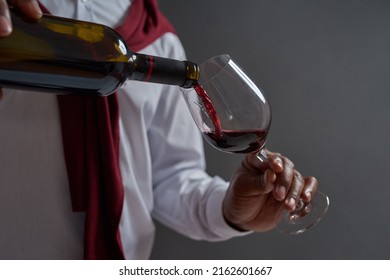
(262, 156)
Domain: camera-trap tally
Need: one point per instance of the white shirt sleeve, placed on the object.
(186, 198)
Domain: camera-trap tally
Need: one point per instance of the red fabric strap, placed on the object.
(90, 129)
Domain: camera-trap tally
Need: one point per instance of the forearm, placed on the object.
(191, 204)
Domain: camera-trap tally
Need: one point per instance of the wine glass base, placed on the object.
(305, 216)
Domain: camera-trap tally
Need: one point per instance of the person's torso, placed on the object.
(35, 209)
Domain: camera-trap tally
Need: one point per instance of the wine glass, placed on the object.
(234, 116)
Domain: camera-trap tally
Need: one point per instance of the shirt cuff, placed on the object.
(216, 221)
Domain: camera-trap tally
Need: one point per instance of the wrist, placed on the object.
(234, 226)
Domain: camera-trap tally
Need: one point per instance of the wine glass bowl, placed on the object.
(231, 98)
(234, 116)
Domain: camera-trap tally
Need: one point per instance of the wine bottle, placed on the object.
(66, 56)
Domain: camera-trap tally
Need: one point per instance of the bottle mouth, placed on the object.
(193, 74)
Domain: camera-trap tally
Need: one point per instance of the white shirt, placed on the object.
(161, 156)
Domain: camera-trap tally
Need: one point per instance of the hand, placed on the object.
(259, 192)
(29, 7)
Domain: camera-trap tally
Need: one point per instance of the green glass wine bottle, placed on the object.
(66, 56)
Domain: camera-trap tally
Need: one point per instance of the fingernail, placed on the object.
(5, 26)
(308, 195)
(291, 202)
(282, 191)
(37, 8)
(279, 162)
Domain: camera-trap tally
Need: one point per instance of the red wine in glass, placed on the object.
(238, 141)
(232, 141)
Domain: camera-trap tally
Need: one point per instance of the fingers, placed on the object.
(310, 188)
(300, 188)
(278, 175)
(289, 184)
(265, 172)
(5, 21)
(284, 168)
(28, 7)
(253, 177)
(268, 181)
(295, 191)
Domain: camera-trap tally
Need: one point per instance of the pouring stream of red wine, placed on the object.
(210, 110)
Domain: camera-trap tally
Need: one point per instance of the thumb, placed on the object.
(253, 179)
(267, 181)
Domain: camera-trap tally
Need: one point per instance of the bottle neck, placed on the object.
(163, 70)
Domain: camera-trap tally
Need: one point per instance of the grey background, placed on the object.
(324, 65)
